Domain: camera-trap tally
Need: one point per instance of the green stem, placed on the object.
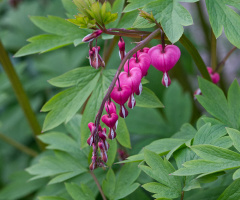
(213, 51)
(196, 56)
(18, 146)
(20, 93)
(205, 27)
(98, 185)
(222, 63)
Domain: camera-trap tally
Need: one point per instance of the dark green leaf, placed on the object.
(232, 192)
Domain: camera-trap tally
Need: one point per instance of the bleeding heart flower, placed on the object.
(143, 62)
(121, 94)
(139, 52)
(214, 75)
(110, 119)
(164, 61)
(131, 78)
(110, 107)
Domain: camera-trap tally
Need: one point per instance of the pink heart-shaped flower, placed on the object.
(132, 79)
(164, 61)
(143, 62)
(110, 119)
(121, 94)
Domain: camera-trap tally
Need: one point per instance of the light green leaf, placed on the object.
(60, 141)
(109, 184)
(236, 174)
(57, 38)
(161, 190)
(65, 104)
(213, 100)
(235, 136)
(233, 103)
(78, 192)
(123, 135)
(73, 127)
(215, 159)
(171, 15)
(125, 180)
(160, 169)
(56, 165)
(135, 4)
(180, 111)
(50, 198)
(75, 77)
(221, 15)
(148, 99)
(112, 153)
(232, 192)
(166, 145)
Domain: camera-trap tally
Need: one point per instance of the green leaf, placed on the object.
(57, 38)
(109, 184)
(221, 15)
(117, 8)
(171, 15)
(232, 192)
(208, 134)
(65, 104)
(233, 104)
(236, 174)
(77, 191)
(125, 180)
(161, 190)
(148, 99)
(73, 127)
(235, 136)
(123, 135)
(94, 103)
(135, 4)
(62, 165)
(70, 7)
(128, 19)
(215, 159)
(166, 145)
(160, 169)
(112, 153)
(177, 112)
(213, 100)
(50, 198)
(20, 186)
(60, 141)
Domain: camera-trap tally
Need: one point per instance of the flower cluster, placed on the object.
(127, 85)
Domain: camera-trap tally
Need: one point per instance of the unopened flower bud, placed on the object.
(112, 134)
(95, 59)
(102, 134)
(90, 37)
(90, 140)
(110, 107)
(92, 166)
(121, 45)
